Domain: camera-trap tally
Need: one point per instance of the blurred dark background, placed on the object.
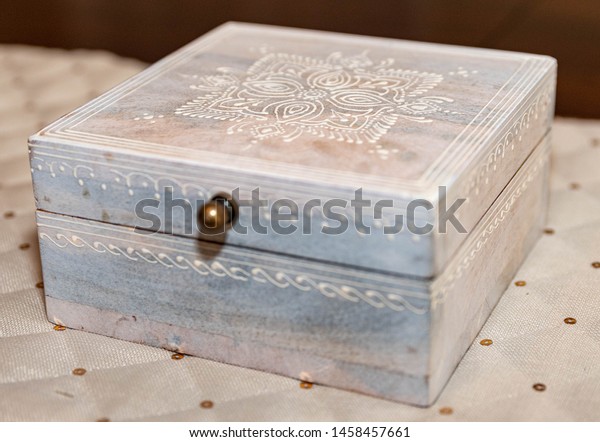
(149, 29)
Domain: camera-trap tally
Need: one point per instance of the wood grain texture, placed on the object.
(382, 335)
(305, 115)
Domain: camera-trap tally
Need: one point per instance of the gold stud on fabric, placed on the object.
(79, 371)
(446, 410)
(486, 342)
(539, 387)
(103, 419)
(549, 231)
(207, 404)
(596, 264)
(10, 214)
(40, 285)
(570, 321)
(306, 385)
(520, 283)
(177, 356)
(59, 327)
(24, 246)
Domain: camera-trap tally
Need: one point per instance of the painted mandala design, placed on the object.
(349, 99)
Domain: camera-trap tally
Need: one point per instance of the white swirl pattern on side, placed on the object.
(279, 279)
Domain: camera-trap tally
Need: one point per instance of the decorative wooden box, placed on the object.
(389, 191)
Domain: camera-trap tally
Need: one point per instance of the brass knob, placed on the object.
(216, 216)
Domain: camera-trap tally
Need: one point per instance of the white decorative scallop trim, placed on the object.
(86, 175)
(279, 279)
(446, 283)
(510, 140)
(135, 182)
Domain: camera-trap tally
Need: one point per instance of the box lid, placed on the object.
(305, 116)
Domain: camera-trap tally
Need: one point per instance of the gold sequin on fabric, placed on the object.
(446, 410)
(24, 246)
(40, 285)
(539, 387)
(596, 264)
(306, 385)
(79, 371)
(549, 231)
(486, 342)
(570, 321)
(177, 356)
(207, 404)
(59, 327)
(520, 283)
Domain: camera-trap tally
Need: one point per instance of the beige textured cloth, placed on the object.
(532, 344)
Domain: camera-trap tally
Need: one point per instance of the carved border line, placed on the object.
(279, 279)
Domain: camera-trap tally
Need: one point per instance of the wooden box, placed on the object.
(375, 197)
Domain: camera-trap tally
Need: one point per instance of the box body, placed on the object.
(302, 116)
(383, 335)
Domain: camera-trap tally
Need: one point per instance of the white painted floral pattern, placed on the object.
(345, 98)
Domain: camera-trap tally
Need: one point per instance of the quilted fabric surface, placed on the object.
(537, 357)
